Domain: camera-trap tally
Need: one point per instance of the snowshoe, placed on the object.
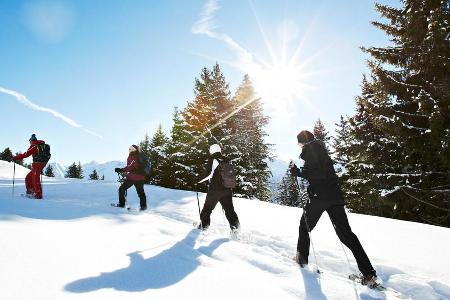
(371, 281)
(199, 226)
(28, 195)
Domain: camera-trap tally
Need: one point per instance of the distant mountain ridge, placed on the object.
(106, 169)
(278, 167)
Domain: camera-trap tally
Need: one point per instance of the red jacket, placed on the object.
(133, 168)
(32, 150)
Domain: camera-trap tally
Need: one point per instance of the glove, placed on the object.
(295, 171)
(118, 170)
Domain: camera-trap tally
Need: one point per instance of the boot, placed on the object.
(300, 260)
(370, 280)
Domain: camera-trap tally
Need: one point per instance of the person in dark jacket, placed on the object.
(134, 176)
(325, 195)
(217, 192)
(33, 178)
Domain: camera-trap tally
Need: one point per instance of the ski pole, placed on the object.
(14, 177)
(199, 213)
(309, 230)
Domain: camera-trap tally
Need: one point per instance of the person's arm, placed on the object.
(211, 168)
(131, 166)
(31, 151)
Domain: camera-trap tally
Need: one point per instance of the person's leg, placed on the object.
(348, 238)
(139, 185)
(29, 183)
(310, 217)
(211, 201)
(122, 190)
(36, 170)
(226, 200)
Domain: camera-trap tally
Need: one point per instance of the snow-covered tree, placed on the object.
(49, 171)
(157, 155)
(288, 193)
(205, 123)
(399, 154)
(251, 153)
(321, 134)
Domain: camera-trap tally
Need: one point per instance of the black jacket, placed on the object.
(319, 171)
(216, 181)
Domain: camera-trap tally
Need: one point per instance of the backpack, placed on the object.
(145, 165)
(228, 175)
(43, 154)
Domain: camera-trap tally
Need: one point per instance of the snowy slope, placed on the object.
(7, 170)
(73, 244)
(106, 168)
(58, 170)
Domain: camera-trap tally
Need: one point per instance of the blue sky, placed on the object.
(116, 69)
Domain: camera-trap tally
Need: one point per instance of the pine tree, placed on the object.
(103, 177)
(399, 154)
(205, 122)
(341, 142)
(290, 192)
(72, 171)
(174, 171)
(144, 145)
(6, 155)
(49, 171)
(158, 154)
(321, 134)
(251, 153)
(80, 171)
(93, 175)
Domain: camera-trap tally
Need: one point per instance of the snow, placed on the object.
(72, 244)
(7, 170)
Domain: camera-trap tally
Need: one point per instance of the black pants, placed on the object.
(139, 185)
(341, 226)
(225, 197)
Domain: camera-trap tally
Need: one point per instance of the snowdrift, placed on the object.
(73, 244)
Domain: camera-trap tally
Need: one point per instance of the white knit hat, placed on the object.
(214, 149)
(133, 148)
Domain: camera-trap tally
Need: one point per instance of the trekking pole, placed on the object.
(308, 229)
(14, 177)
(199, 213)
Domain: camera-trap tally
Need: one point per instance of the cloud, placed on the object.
(23, 100)
(205, 25)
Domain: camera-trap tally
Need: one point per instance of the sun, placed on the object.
(281, 80)
(279, 85)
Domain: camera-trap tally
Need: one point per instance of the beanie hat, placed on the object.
(133, 148)
(305, 137)
(33, 138)
(214, 149)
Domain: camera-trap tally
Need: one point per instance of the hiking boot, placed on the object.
(300, 260)
(370, 280)
(201, 227)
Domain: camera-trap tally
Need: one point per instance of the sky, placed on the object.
(92, 77)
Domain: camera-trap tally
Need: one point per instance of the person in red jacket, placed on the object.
(135, 176)
(41, 155)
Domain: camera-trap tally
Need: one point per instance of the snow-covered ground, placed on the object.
(73, 245)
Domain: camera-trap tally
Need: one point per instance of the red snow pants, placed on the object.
(33, 180)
